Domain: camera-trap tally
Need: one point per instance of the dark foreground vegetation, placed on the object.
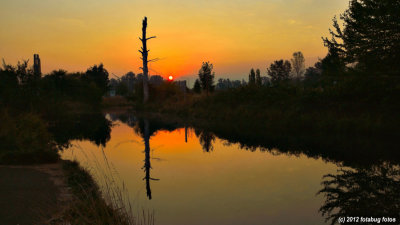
(89, 205)
(33, 108)
(41, 115)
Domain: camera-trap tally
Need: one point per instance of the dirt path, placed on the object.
(32, 194)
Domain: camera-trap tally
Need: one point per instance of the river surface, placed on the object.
(186, 176)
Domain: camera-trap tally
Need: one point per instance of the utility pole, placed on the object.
(145, 52)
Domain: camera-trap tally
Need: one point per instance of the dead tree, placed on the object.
(147, 165)
(145, 53)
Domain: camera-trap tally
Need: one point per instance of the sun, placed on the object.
(170, 78)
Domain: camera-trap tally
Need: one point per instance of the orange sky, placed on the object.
(235, 35)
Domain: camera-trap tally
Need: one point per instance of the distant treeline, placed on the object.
(22, 89)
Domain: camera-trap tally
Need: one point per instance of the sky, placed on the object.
(234, 35)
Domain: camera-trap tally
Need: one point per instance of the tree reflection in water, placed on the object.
(144, 130)
(206, 139)
(364, 192)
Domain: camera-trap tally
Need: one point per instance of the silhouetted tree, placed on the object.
(265, 81)
(313, 73)
(252, 77)
(334, 63)
(121, 89)
(129, 79)
(279, 71)
(156, 80)
(99, 75)
(224, 84)
(206, 77)
(258, 77)
(145, 53)
(197, 87)
(298, 64)
(370, 36)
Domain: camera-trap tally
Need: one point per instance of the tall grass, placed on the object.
(105, 202)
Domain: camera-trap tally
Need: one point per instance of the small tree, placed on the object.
(279, 71)
(206, 77)
(252, 77)
(98, 75)
(298, 64)
(197, 87)
(258, 77)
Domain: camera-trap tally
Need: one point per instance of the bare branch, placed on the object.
(153, 60)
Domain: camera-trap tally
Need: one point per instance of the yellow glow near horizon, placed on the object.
(234, 35)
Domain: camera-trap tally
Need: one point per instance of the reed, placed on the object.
(100, 195)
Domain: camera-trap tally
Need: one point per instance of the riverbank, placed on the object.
(89, 205)
(59, 193)
(33, 194)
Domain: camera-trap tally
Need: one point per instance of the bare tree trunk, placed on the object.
(145, 52)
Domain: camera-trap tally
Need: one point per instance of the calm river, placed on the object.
(188, 176)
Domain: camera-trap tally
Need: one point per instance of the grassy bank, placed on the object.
(27, 139)
(89, 205)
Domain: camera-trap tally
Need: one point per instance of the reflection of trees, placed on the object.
(206, 139)
(85, 126)
(362, 192)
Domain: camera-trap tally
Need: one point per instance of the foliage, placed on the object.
(197, 87)
(258, 80)
(122, 89)
(24, 139)
(206, 77)
(331, 114)
(279, 71)
(224, 84)
(32, 106)
(164, 91)
(252, 77)
(370, 36)
(99, 76)
(298, 64)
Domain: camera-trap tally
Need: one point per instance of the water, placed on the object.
(189, 176)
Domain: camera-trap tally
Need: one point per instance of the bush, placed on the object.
(24, 139)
